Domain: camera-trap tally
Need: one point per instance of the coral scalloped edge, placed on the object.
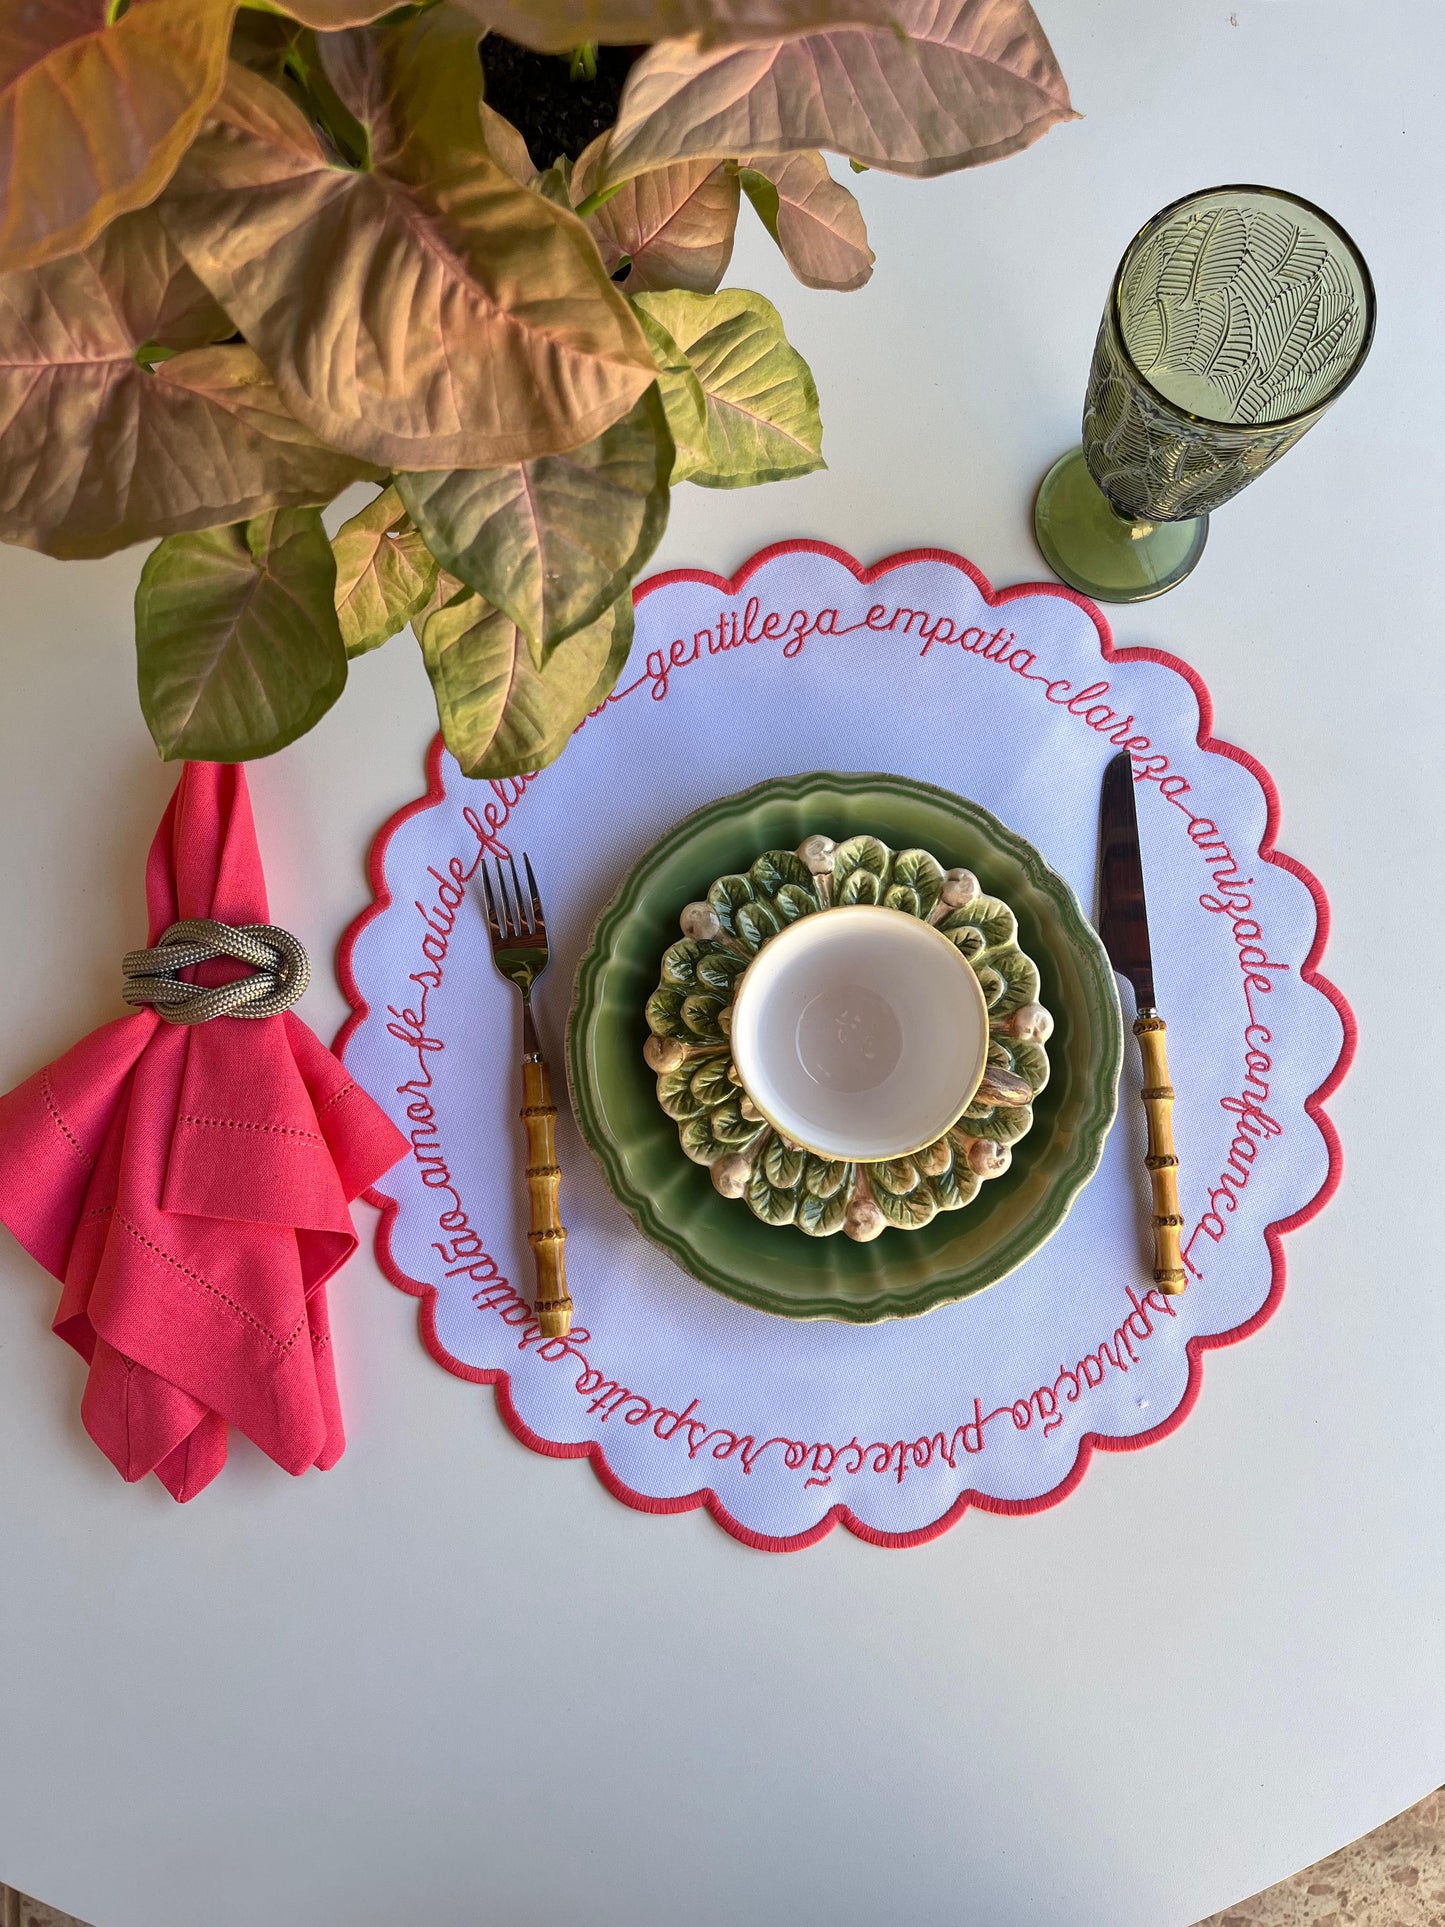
(843, 1515)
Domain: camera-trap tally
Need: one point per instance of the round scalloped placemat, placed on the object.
(682, 1398)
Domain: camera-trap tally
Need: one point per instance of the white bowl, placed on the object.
(860, 1033)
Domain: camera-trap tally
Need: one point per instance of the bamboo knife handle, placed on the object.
(548, 1236)
(1162, 1162)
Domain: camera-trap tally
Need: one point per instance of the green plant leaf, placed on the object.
(384, 573)
(449, 588)
(682, 398)
(555, 541)
(762, 405)
(711, 1134)
(899, 897)
(794, 901)
(95, 112)
(432, 246)
(121, 422)
(238, 647)
(674, 227)
(499, 713)
(859, 887)
(814, 220)
(1019, 985)
(933, 88)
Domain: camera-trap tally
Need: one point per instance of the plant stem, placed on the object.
(593, 201)
(341, 127)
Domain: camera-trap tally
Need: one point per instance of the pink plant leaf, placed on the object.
(947, 84)
(673, 226)
(96, 111)
(127, 414)
(557, 26)
(356, 284)
(814, 219)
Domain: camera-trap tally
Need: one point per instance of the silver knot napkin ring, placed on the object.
(280, 972)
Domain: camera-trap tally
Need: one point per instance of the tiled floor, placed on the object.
(1394, 1877)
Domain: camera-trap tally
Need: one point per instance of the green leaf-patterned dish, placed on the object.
(719, 1124)
(673, 1200)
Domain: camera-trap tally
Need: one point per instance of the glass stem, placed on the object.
(1138, 529)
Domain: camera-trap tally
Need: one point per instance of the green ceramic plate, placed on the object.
(673, 1201)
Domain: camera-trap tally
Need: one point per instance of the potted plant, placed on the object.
(469, 252)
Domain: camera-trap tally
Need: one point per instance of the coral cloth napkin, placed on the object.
(188, 1184)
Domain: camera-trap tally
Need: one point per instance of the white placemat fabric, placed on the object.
(782, 1428)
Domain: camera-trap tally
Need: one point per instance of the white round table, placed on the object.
(451, 1682)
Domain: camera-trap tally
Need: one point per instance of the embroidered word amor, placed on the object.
(463, 1246)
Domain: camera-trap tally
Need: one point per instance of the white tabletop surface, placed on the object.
(450, 1682)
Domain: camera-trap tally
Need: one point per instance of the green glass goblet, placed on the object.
(1237, 316)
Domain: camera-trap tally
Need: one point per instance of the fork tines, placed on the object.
(518, 917)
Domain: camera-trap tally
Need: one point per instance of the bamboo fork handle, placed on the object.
(547, 1237)
(1163, 1164)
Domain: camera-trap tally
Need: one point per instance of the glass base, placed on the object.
(1092, 547)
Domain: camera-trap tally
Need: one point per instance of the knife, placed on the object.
(1124, 926)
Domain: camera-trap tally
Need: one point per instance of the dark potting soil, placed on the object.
(554, 113)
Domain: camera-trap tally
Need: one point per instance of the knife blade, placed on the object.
(1123, 908)
(1124, 927)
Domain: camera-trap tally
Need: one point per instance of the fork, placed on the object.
(518, 931)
